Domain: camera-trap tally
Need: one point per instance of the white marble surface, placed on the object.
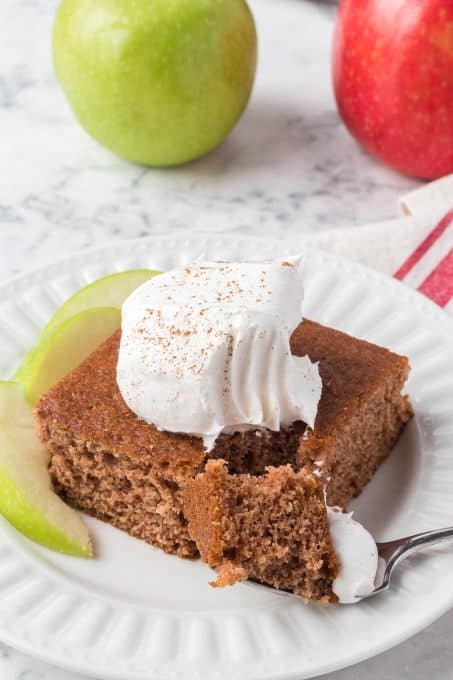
(288, 168)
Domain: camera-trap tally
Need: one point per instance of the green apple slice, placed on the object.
(110, 291)
(64, 348)
(27, 499)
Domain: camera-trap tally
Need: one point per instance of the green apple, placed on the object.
(65, 347)
(159, 82)
(27, 499)
(110, 291)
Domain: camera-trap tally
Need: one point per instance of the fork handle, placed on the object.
(394, 552)
(412, 544)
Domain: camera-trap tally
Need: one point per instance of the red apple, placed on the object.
(393, 81)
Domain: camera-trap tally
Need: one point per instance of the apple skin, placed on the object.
(61, 350)
(31, 521)
(159, 82)
(393, 81)
(27, 499)
(109, 291)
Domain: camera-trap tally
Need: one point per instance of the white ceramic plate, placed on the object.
(134, 612)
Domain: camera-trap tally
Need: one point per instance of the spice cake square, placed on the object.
(106, 461)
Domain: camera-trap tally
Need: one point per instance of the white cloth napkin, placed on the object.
(416, 248)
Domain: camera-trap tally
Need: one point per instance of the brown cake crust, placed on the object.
(271, 528)
(108, 462)
(362, 410)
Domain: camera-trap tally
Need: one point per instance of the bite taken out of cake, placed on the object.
(276, 529)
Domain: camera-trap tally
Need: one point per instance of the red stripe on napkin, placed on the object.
(418, 253)
(438, 285)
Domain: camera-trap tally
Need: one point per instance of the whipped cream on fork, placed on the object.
(205, 349)
(358, 556)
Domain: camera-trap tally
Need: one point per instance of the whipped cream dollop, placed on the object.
(357, 554)
(205, 349)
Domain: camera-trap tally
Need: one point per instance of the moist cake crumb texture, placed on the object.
(272, 528)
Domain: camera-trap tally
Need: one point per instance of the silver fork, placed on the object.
(390, 555)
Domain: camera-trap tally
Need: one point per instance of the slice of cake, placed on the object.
(272, 528)
(108, 462)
